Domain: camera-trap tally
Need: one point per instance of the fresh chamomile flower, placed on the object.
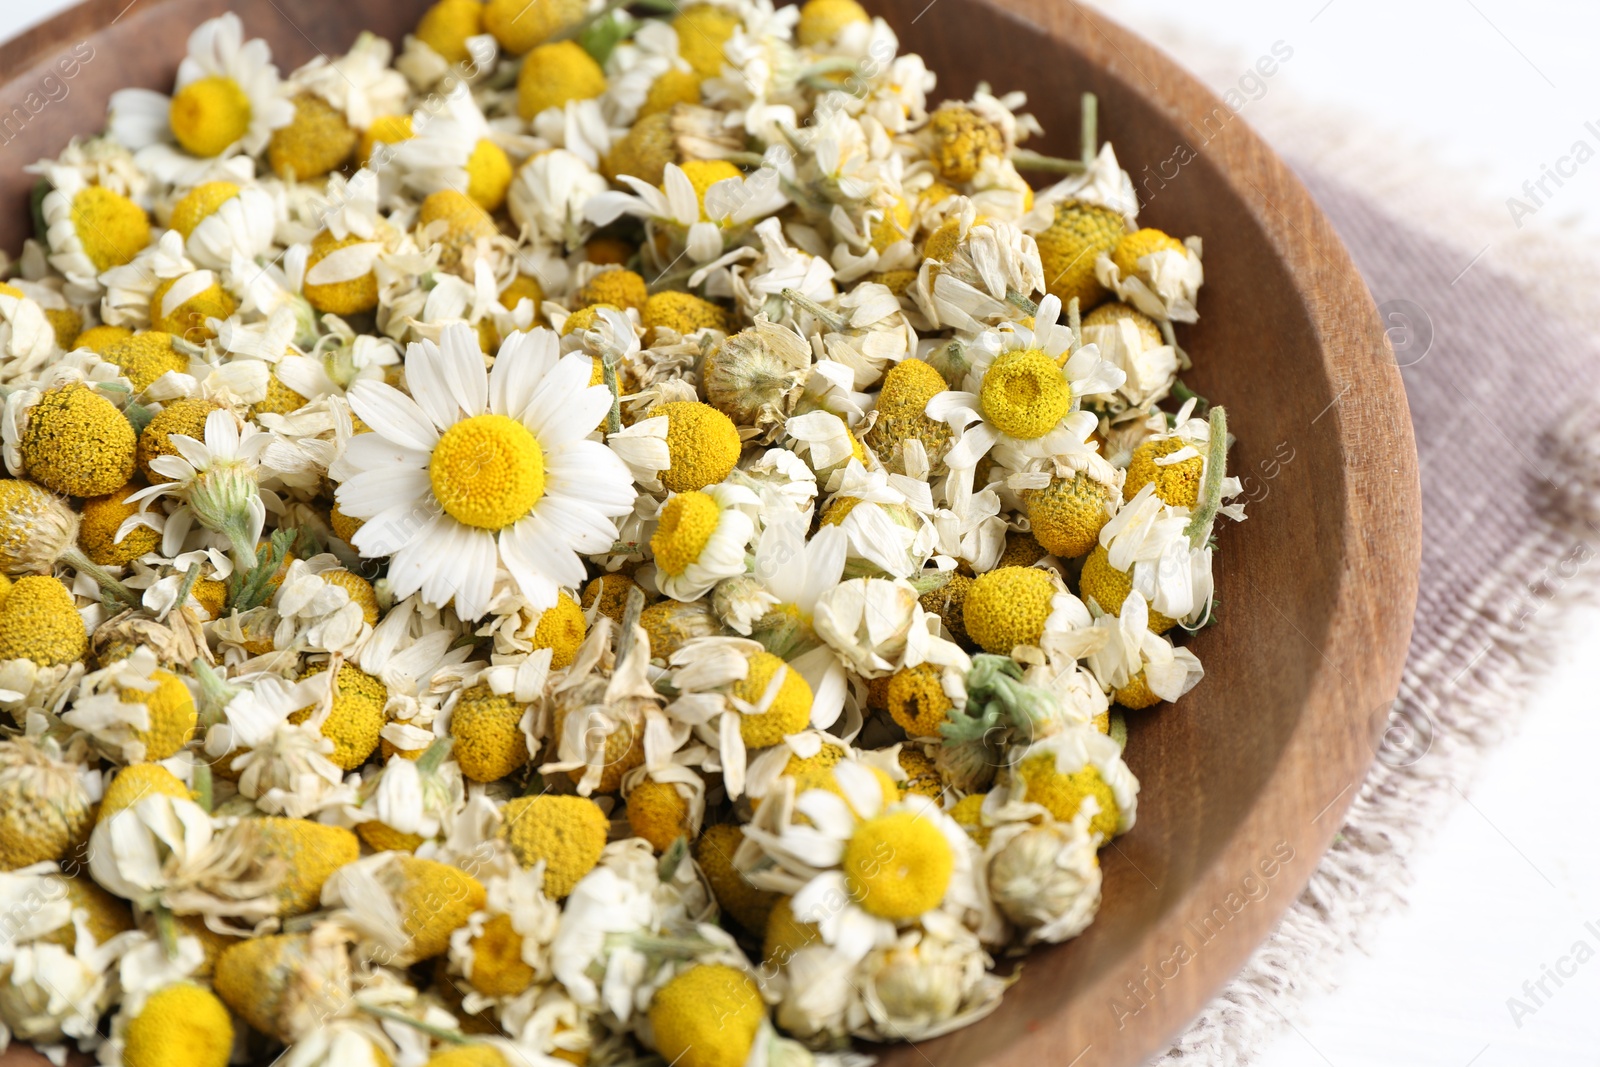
(451, 517)
(700, 539)
(1154, 272)
(697, 206)
(453, 148)
(1024, 393)
(861, 867)
(227, 99)
(89, 229)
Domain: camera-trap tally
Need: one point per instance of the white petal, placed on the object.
(393, 415)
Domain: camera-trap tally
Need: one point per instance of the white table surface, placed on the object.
(1505, 890)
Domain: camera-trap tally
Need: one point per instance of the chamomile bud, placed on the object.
(36, 527)
(317, 140)
(1068, 514)
(756, 376)
(1046, 879)
(553, 74)
(962, 138)
(902, 415)
(403, 907)
(356, 717)
(713, 851)
(46, 807)
(39, 621)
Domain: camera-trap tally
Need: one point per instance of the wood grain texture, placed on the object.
(1244, 785)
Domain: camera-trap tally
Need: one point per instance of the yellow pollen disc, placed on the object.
(898, 866)
(210, 115)
(686, 525)
(487, 471)
(1025, 394)
(112, 228)
(488, 175)
(199, 203)
(703, 174)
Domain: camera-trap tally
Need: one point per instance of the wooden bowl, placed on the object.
(1245, 783)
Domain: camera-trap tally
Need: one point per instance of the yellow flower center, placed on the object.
(487, 471)
(111, 228)
(707, 1016)
(1008, 606)
(498, 969)
(488, 174)
(686, 525)
(898, 866)
(1063, 794)
(703, 443)
(703, 174)
(210, 115)
(1025, 395)
(199, 203)
(172, 714)
(789, 711)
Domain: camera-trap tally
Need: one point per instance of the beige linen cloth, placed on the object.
(1478, 311)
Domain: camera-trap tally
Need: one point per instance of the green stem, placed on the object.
(166, 929)
(109, 582)
(454, 1037)
(1089, 127)
(608, 366)
(830, 318)
(1016, 299)
(577, 28)
(202, 786)
(1075, 323)
(927, 583)
(1199, 527)
(434, 755)
(1026, 160)
(185, 587)
(630, 618)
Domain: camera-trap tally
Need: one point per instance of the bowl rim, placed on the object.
(1325, 758)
